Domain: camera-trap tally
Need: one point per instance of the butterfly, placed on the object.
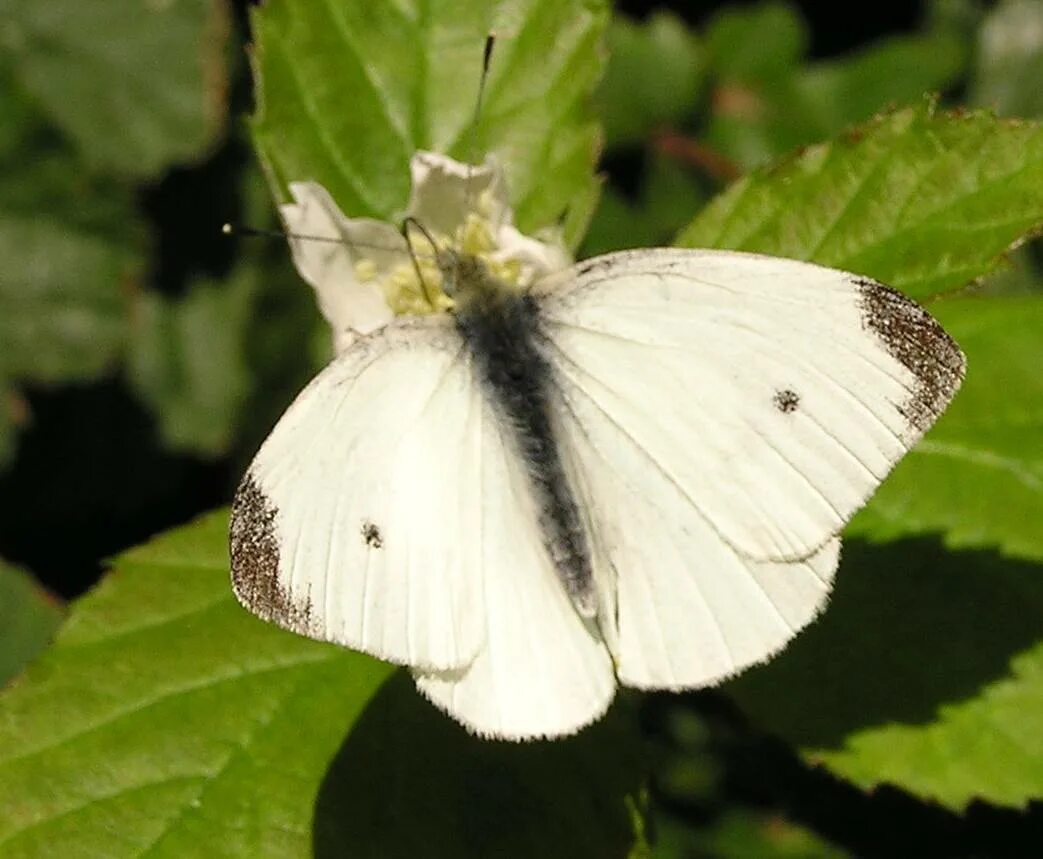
(632, 470)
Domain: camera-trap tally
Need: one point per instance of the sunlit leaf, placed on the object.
(348, 92)
(167, 720)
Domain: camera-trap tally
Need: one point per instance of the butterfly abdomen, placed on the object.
(503, 335)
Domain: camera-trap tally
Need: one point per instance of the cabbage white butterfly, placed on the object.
(637, 468)
(629, 470)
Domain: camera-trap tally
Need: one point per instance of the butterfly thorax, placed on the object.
(501, 326)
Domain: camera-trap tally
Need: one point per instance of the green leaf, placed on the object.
(921, 200)
(766, 107)
(654, 76)
(897, 70)
(926, 672)
(1010, 60)
(62, 307)
(758, 43)
(348, 92)
(668, 193)
(978, 477)
(187, 360)
(155, 72)
(463, 797)
(741, 833)
(168, 721)
(29, 617)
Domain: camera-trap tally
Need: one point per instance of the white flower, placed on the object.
(365, 276)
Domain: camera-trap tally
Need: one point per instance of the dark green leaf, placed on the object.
(29, 617)
(63, 301)
(741, 834)
(135, 86)
(654, 76)
(756, 43)
(188, 360)
(926, 672)
(763, 109)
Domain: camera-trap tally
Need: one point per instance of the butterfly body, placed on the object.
(502, 331)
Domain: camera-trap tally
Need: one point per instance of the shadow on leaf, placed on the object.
(408, 781)
(911, 627)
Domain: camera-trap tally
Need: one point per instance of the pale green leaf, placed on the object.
(187, 360)
(29, 617)
(926, 672)
(349, 91)
(168, 721)
(924, 201)
(135, 85)
(1009, 74)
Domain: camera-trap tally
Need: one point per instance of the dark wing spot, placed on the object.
(371, 535)
(920, 344)
(254, 549)
(786, 400)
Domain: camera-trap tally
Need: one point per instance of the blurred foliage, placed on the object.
(29, 617)
(164, 718)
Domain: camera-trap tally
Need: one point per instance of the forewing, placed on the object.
(773, 395)
(543, 671)
(359, 520)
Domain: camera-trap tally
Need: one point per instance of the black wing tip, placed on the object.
(254, 554)
(918, 342)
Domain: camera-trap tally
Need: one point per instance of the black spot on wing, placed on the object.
(254, 549)
(786, 401)
(914, 339)
(371, 535)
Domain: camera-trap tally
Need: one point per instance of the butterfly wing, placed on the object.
(774, 395)
(389, 512)
(722, 416)
(680, 608)
(359, 520)
(543, 671)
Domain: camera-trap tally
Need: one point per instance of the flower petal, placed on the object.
(445, 191)
(538, 258)
(348, 303)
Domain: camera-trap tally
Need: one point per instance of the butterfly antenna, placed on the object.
(487, 55)
(254, 232)
(413, 222)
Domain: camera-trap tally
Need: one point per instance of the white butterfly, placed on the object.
(633, 470)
